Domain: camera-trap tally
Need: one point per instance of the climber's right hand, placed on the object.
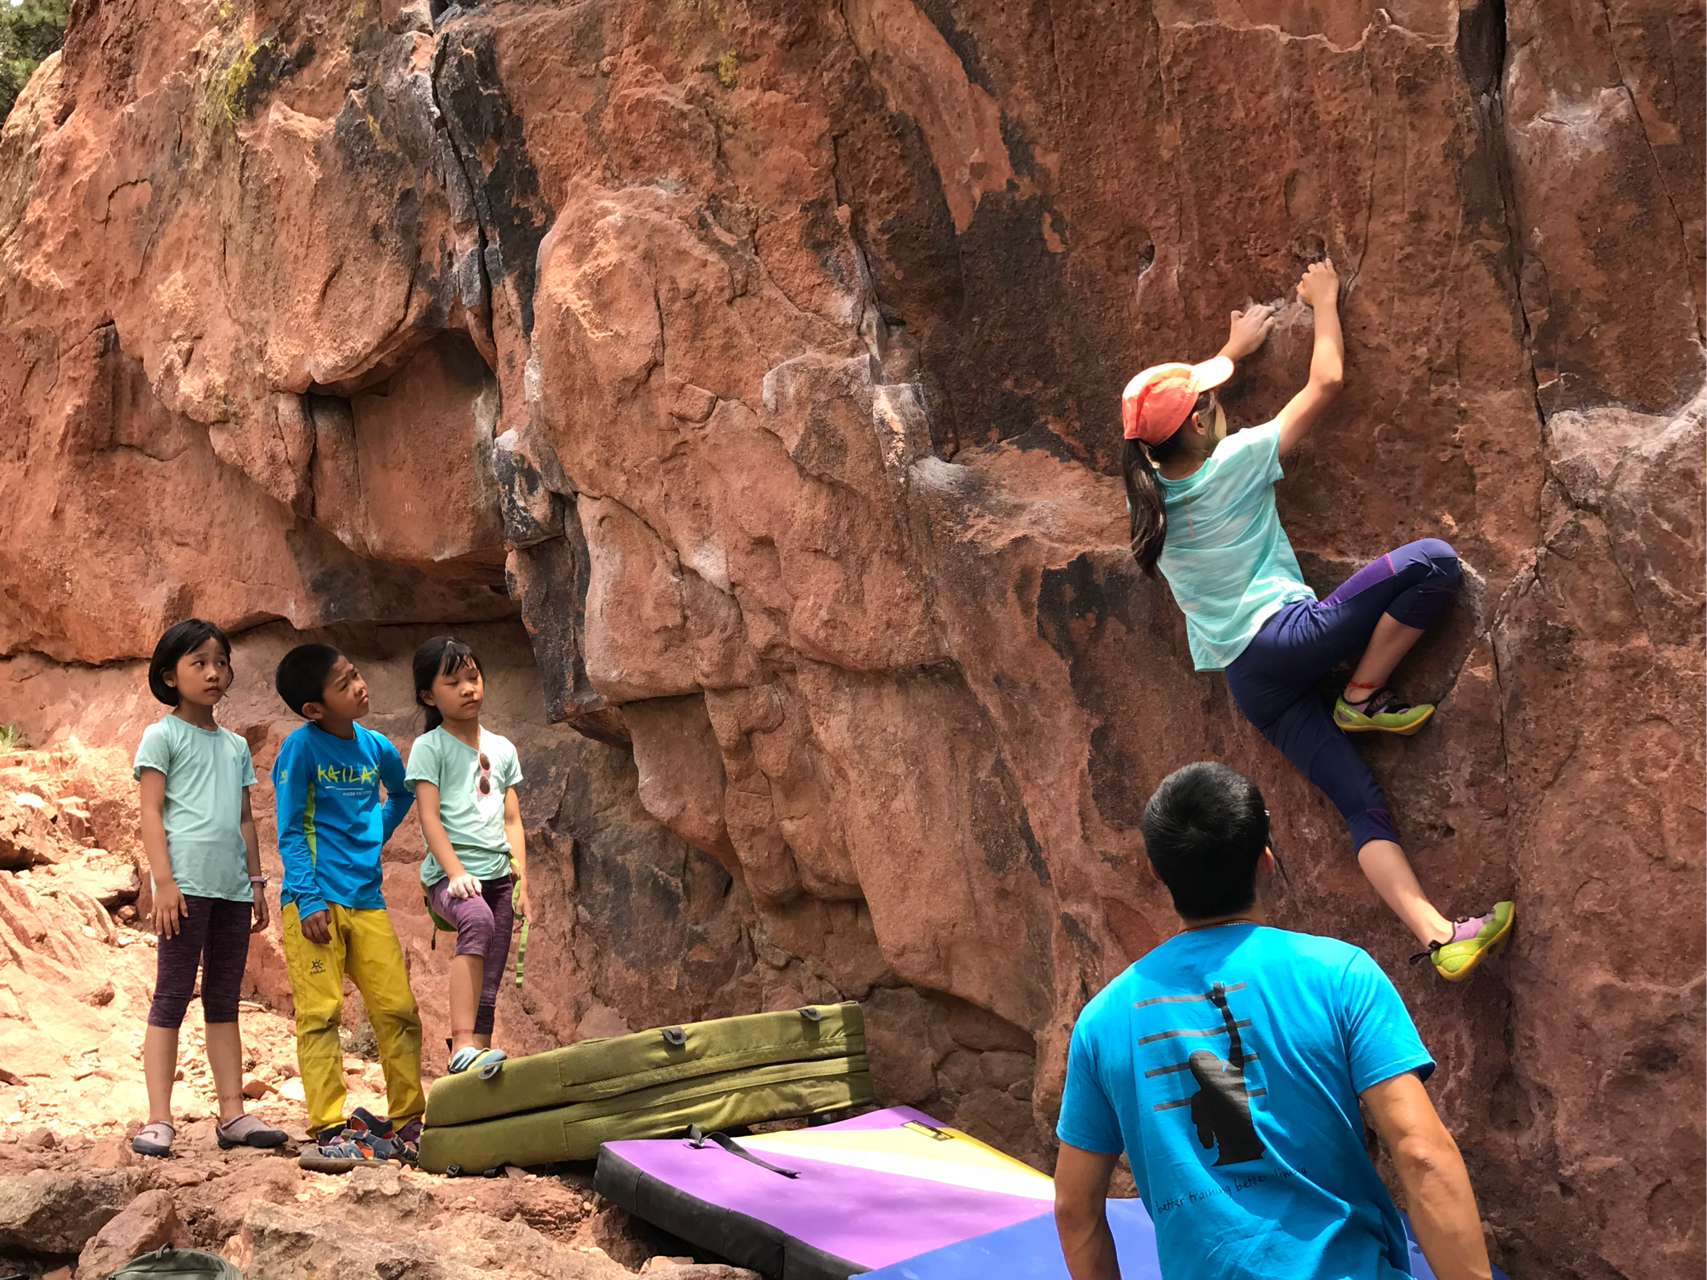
(463, 886)
(169, 908)
(316, 928)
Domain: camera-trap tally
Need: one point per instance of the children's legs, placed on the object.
(1387, 868)
(466, 974)
(1407, 587)
(1392, 640)
(223, 961)
(159, 1066)
(176, 960)
(472, 969)
(1306, 734)
(317, 987)
(376, 966)
(225, 1056)
(497, 894)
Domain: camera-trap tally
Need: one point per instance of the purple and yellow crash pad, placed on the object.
(864, 1193)
(1031, 1250)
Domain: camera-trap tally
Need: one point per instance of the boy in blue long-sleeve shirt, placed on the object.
(331, 827)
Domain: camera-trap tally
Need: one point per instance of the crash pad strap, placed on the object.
(697, 1139)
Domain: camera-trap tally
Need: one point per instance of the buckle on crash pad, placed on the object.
(698, 1139)
(941, 1135)
(675, 1037)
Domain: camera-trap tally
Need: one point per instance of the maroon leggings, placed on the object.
(213, 937)
(483, 923)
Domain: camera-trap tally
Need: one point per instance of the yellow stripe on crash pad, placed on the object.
(961, 1161)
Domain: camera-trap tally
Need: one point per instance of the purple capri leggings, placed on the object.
(483, 923)
(213, 937)
(1273, 680)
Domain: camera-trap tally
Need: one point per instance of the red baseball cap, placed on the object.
(1157, 402)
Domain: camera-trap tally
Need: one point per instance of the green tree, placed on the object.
(29, 31)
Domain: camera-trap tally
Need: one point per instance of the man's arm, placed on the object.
(1431, 1170)
(1320, 291)
(1081, 1213)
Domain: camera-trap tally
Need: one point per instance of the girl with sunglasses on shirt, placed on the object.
(475, 872)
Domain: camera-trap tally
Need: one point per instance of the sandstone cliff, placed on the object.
(762, 356)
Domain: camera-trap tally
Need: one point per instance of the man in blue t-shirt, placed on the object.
(1228, 1064)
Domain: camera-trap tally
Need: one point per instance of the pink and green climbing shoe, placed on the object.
(1472, 940)
(1382, 712)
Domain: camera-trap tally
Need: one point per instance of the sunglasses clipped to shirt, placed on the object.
(485, 783)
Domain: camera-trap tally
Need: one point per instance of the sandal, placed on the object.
(339, 1151)
(154, 1138)
(248, 1131)
(388, 1141)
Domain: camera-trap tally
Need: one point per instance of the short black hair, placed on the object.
(301, 677)
(1205, 829)
(188, 636)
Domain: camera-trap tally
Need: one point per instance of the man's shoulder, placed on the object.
(1311, 949)
(1114, 996)
(1301, 956)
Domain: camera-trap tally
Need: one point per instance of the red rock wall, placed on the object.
(774, 348)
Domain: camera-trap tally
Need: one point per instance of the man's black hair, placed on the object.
(301, 677)
(188, 636)
(1204, 830)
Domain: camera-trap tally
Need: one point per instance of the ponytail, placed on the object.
(1144, 501)
(1144, 494)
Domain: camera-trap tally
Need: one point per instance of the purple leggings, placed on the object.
(483, 923)
(213, 937)
(1274, 679)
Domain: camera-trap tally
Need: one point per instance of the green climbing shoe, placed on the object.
(1472, 940)
(1383, 711)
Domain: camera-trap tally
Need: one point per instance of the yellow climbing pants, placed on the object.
(365, 946)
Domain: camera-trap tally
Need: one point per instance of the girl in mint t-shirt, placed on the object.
(464, 778)
(1202, 505)
(205, 864)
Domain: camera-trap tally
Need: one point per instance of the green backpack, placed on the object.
(441, 925)
(177, 1264)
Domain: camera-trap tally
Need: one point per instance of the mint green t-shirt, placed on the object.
(474, 820)
(206, 771)
(1226, 557)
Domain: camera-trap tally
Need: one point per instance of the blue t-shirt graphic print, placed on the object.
(1226, 1063)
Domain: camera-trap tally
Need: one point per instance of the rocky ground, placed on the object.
(76, 974)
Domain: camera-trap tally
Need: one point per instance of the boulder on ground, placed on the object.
(147, 1223)
(61, 1212)
(398, 1221)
